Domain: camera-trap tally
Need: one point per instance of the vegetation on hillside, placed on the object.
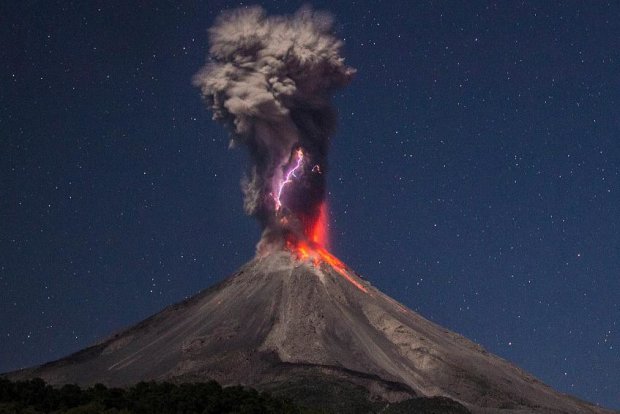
(35, 396)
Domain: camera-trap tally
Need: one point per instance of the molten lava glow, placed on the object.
(318, 255)
(319, 231)
(340, 267)
(299, 157)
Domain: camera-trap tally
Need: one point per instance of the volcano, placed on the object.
(293, 317)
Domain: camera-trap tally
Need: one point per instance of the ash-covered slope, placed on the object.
(280, 320)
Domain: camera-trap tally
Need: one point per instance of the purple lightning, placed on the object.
(299, 155)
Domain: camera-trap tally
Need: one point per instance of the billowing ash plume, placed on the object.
(269, 78)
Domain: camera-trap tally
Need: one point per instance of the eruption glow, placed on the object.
(319, 255)
(319, 233)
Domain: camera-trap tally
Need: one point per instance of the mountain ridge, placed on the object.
(282, 318)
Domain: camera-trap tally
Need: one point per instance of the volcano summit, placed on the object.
(288, 321)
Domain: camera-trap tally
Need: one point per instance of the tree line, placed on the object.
(35, 396)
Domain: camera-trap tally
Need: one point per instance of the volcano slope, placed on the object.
(281, 321)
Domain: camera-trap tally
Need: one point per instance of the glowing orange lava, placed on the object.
(315, 252)
(319, 233)
(340, 267)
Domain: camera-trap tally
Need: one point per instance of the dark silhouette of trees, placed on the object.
(35, 396)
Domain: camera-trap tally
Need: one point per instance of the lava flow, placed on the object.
(314, 250)
(319, 255)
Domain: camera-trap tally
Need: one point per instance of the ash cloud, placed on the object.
(269, 79)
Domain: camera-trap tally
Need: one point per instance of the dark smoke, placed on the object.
(269, 78)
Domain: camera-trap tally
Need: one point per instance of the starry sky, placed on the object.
(475, 173)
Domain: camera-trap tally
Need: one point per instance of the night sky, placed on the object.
(474, 176)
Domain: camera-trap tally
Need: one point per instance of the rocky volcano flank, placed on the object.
(280, 319)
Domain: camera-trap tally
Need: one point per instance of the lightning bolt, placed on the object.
(299, 157)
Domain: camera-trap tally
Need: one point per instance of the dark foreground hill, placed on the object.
(312, 331)
(34, 397)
